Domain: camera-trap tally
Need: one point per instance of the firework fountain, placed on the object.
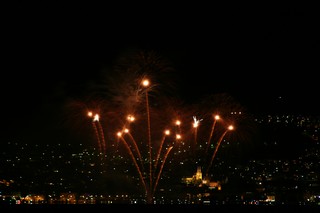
(150, 167)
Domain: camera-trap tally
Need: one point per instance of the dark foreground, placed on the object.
(158, 208)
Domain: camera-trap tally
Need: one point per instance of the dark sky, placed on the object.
(267, 62)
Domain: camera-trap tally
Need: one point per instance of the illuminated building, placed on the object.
(197, 180)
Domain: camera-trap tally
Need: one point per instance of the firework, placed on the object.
(216, 117)
(195, 125)
(217, 147)
(119, 134)
(166, 132)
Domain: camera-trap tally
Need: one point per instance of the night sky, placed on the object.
(49, 57)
